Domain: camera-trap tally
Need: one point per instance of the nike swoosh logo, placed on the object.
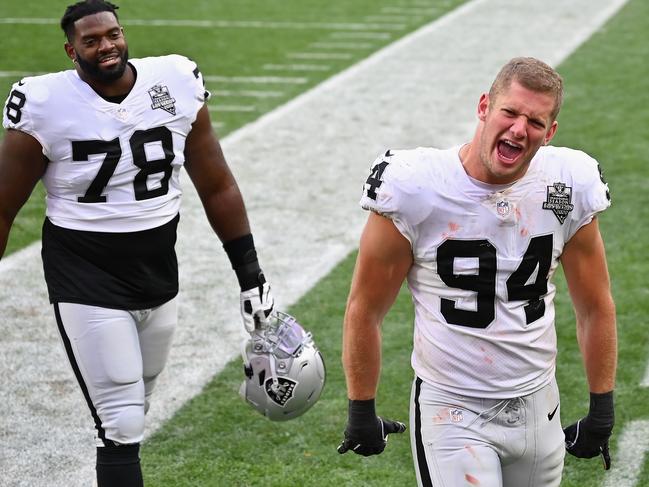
(21, 82)
(551, 415)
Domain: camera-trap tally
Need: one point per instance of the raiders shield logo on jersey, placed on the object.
(281, 391)
(161, 98)
(559, 201)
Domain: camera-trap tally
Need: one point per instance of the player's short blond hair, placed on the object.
(532, 74)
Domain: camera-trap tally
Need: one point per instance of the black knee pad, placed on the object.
(119, 466)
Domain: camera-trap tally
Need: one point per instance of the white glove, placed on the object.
(256, 307)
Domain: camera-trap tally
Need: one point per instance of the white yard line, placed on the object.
(296, 67)
(283, 80)
(231, 108)
(360, 35)
(226, 24)
(389, 18)
(409, 10)
(303, 162)
(341, 45)
(246, 94)
(19, 74)
(319, 55)
(645, 380)
(630, 455)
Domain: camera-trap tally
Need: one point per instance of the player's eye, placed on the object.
(537, 124)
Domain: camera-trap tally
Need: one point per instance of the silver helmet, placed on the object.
(284, 370)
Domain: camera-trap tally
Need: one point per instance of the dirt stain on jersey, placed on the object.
(487, 358)
(471, 479)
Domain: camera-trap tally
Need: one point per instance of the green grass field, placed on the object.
(215, 440)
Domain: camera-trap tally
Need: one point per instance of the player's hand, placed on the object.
(256, 307)
(367, 434)
(588, 437)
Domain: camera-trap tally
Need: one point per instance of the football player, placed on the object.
(108, 139)
(478, 231)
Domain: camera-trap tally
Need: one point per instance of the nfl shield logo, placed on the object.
(456, 415)
(503, 208)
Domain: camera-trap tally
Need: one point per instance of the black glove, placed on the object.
(366, 434)
(589, 436)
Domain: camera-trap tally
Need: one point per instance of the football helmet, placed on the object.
(284, 370)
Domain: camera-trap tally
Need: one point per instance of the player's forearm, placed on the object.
(361, 354)
(226, 213)
(5, 226)
(598, 342)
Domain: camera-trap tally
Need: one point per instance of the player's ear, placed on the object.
(69, 51)
(551, 132)
(483, 106)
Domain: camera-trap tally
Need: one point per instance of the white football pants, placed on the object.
(458, 441)
(116, 356)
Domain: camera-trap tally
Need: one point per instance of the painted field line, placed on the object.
(390, 18)
(246, 94)
(257, 79)
(630, 455)
(19, 74)
(342, 45)
(224, 24)
(645, 380)
(319, 55)
(319, 147)
(231, 108)
(409, 10)
(296, 67)
(360, 35)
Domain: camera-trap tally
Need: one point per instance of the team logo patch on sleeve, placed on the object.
(558, 200)
(280, 392)
(161, 98)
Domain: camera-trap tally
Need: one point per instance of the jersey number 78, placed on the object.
(113, 150)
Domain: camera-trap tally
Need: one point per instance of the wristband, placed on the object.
(602, 409)
(243, 258)
(362, 411)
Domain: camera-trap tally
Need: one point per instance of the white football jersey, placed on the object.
(113, 167)
(484, 257)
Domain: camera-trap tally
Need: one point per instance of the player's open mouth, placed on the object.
(508, 151)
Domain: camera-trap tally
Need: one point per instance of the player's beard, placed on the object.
(94, 71)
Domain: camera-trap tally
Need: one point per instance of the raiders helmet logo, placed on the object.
(281, 392)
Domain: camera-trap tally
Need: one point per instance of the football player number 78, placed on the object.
(537, 257)
(113, 150)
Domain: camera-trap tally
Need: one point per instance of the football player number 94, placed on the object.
(537, 256)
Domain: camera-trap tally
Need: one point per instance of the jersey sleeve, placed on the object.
(187, 67)
(590, 192)
(16, 110)
(394, 189)
(25, 108)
